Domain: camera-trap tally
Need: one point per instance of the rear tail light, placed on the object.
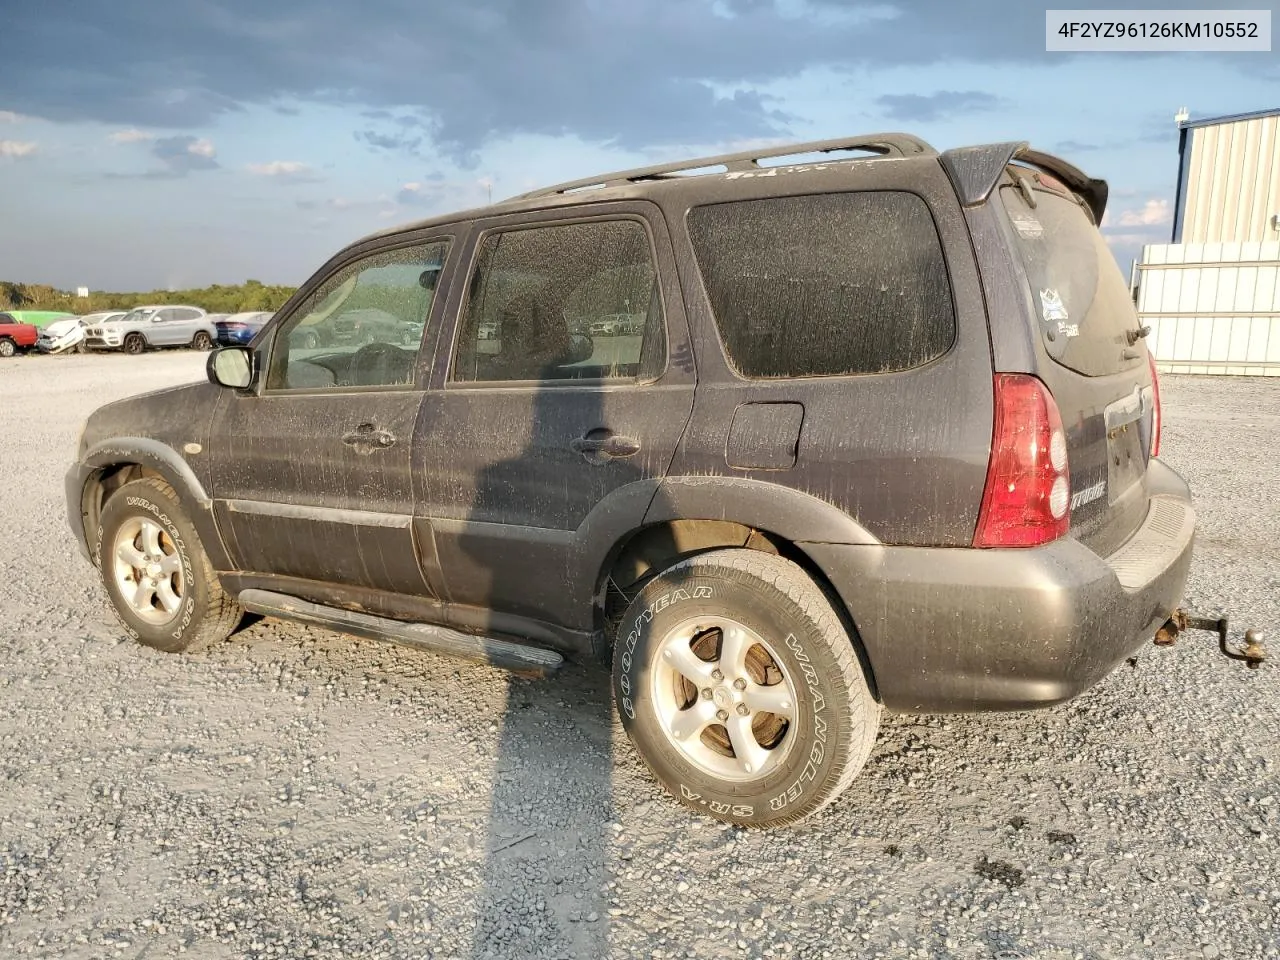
(1028, 495)
(1157, 421)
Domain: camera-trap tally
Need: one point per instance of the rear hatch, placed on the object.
(1098, 368)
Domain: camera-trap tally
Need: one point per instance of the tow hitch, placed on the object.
(1252, 652)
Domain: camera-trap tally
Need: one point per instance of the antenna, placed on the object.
(1181, 116)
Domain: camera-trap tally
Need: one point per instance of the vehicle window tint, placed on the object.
(361, 327)
(163, 316)
(1082, 302)
(571, 302)
(825, 285)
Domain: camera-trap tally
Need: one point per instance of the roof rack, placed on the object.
(884, 144)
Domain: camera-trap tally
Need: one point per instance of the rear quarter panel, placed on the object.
(904, 454)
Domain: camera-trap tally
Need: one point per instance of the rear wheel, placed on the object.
(134, 344)
(7, 347)
(741, 689)
(157, 575)
(201, 341)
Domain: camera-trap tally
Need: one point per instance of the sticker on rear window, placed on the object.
(1027, 226)
(1055, 312)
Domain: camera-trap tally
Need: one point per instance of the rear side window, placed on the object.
(574, 301)
(825, 285)
(1082, 303)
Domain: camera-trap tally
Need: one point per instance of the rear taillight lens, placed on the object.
(1028, 496)
(1156, 418)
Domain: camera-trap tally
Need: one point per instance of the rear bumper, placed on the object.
(951, 630)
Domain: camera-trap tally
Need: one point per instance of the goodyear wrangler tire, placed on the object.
(741, 690)
(157, 575)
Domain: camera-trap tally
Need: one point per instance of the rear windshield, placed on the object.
(1083, 306)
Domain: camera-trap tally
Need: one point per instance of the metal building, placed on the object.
(1212, 296)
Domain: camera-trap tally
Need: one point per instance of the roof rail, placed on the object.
(884, 144)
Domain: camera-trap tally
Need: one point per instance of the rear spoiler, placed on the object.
(975, 171)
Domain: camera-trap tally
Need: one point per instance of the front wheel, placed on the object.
(134, 344)
(201, 341)
(741, 690)
(157, 575)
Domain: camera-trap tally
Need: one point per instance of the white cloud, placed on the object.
(1152, 214)
(280, 168)
(132, 135)
(8, 116)
(17, 148)
(202, 148)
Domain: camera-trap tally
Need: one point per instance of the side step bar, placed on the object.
(421, 636)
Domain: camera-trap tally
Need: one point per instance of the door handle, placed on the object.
(368, 435)
(599, 449)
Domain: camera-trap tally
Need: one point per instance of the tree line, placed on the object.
(218, 298)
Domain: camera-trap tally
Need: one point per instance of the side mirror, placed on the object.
(231, 367)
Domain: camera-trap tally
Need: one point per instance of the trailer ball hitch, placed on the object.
(1250, 652)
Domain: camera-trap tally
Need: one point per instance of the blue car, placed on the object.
(239, 328)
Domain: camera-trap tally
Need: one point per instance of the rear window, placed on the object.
(1082, 303)
(825, 285)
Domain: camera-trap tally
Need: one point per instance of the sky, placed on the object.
(146, 144)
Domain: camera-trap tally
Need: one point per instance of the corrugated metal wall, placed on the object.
(1233, 182)
(1212, 307)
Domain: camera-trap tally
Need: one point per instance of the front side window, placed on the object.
(567, 302)
(361, 327)
(825, 285)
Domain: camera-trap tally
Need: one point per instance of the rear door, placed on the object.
(1097, 366)
(539, 432)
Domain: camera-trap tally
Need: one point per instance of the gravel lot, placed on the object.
(295, 792)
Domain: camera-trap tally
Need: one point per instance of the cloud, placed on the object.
(17, 148)
(1153, 213)
(916, 108)
(635, 76)
(399, 142)
(132, 135)
(8, 116)
(182, 155)
(290, 170)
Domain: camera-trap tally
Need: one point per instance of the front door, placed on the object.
(170, 327)
(312, 473)
(556, 411)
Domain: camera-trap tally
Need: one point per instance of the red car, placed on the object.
(15, 336)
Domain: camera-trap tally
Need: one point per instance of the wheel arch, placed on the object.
(639, 554)
(109, 465)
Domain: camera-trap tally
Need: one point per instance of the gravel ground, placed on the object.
(295, 792)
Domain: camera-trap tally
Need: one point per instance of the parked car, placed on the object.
(38, 317)
(888, 442)
(361, 326)
(15, 336)
(68, 335)
(240, 328)
(160, 325)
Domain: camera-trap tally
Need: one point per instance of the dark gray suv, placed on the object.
(882, 433)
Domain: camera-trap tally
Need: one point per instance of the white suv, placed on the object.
(162, 325)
